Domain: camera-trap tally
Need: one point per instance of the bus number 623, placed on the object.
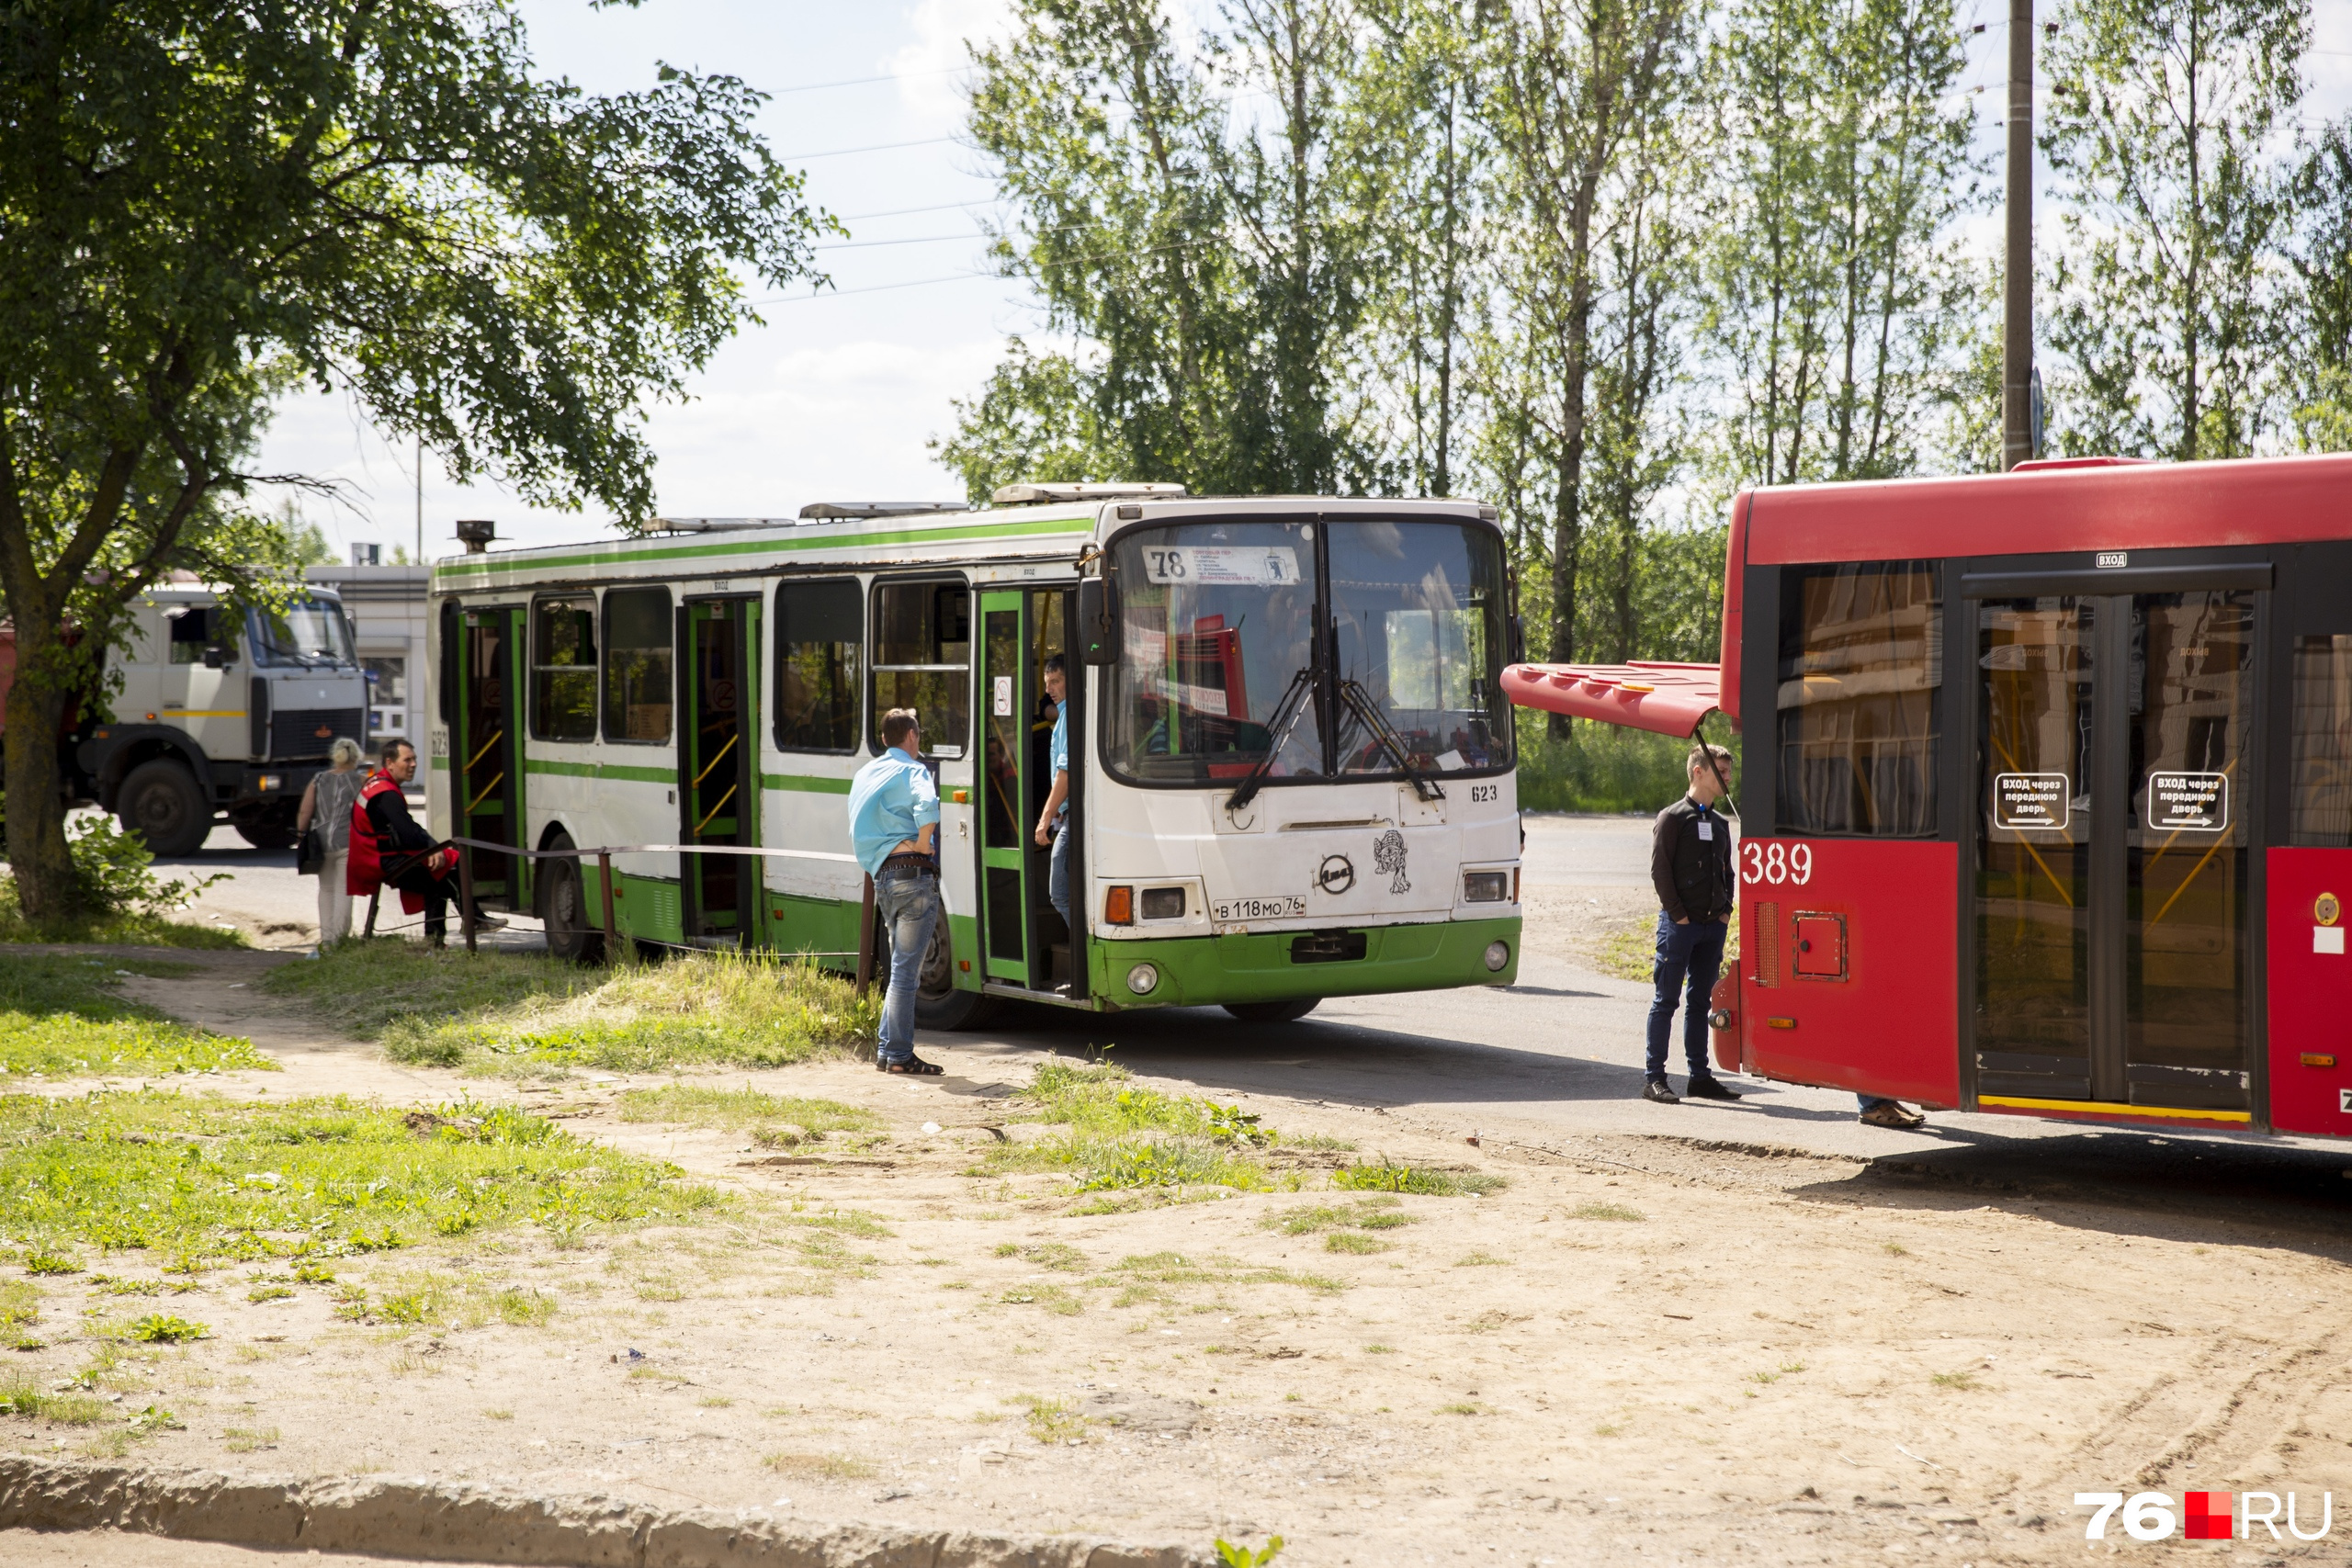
(1777, 863)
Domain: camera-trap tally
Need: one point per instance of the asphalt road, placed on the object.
(1557, 1053)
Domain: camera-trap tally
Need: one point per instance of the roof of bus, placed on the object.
(2100, 505)
(1044, 530)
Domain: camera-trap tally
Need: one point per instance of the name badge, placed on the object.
(1707, 831)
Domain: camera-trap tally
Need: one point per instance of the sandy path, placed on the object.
(1642, 1348)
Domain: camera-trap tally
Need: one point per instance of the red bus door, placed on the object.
(2113, 843)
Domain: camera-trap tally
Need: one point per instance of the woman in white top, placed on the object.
(328, 801)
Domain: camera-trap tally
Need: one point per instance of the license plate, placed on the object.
(1288, 906)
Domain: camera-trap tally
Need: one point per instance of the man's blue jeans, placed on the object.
(907, 898)
(1691, 954)
(1058, 878)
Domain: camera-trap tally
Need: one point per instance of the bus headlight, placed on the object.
(1486, 887)
(1498, 956)
(1142, 978)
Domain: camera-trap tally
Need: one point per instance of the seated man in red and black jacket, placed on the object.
(389, 849)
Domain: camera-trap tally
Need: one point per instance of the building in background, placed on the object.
(387, 608)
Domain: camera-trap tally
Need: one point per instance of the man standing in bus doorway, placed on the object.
(1690, 869)
(1053, 823)
(893, 818)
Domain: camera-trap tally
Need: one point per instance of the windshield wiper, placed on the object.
(1279, 724)
(1359, 703)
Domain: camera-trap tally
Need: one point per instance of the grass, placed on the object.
(1607, 1212)
(1365, 1214)
(1051, 1420)
(1356, 1242)
(121, 929)
(248, 1440)
(777, 1120)
(820, 1467)
(1053, 1298)
(60, 1017)
(1481, 1259)
(20, 1314)
(513, 1014)
(425, 1298)
(1387, 1177)
(1604, 767)
(1964, 1381)
(1120, 1136)
(201, 1180)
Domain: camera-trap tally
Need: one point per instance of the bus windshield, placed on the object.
(1217, 621)
(309, 632)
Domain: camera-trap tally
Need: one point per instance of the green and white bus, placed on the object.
(1291, 753)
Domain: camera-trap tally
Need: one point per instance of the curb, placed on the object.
(459, 1522)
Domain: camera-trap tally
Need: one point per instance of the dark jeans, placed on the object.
(908, 898)
(434, 891)
(1694, 953)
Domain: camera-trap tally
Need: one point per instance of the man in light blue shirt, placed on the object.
(1053, 822)
(893, 819)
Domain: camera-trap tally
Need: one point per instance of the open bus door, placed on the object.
(488, 797)
(717, 769)
(1023, 941)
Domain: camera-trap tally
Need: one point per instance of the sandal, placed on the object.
(913, 1067)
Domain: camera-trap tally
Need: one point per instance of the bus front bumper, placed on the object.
(1266, 966)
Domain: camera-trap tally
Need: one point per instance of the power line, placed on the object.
(874, 288)
(919, 239)
(845, 152)
(909, 211)
(865, 80)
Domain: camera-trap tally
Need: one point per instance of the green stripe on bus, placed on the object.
(451, 571)
(804, 783)
(599, 771)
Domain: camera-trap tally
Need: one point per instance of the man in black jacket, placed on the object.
(1690, 866)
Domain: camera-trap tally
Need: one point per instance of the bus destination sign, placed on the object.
(2195, 803)
(2033, 800)
(1222, 565)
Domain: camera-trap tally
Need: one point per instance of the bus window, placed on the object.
(818, 644)
(2321, 773)
(922, 660)
(1418, 610)
(1217, 618)
(1861, 654)
(638, 686)
(564, 669)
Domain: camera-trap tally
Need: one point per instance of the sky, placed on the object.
(836, 395)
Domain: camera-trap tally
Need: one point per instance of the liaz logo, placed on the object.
(2203, 1515)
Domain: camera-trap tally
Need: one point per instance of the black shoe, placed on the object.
(1657, 1093)
(1706, 1086)
(913, 1067)
(1887, 1113)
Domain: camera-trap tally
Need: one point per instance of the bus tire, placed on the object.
(267, 835)
(563, 909)
(1273, 1012)
(161, 803)
(938, 1004)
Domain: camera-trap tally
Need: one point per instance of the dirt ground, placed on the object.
(1641, 1349)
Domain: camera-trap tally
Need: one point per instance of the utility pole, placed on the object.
(2017, 315)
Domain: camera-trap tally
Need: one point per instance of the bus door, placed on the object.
(718, 778)
(489, 793)
(2113, 838)
(1024, 942)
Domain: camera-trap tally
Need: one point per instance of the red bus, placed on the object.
(2046, 790)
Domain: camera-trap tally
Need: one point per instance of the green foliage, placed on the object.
(1606, 767)
(1034, 422)
(202, 1181)
(1232, 1556)
(118, 898)
(62, 1017)
(1386, 1176)
(164, 1328)
(362, 987)
(213, 201)
(1124, 1137)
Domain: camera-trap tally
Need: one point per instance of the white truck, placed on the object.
(223, 714)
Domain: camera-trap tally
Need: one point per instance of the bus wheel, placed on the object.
(563, 906)
(938, 1004)
(1273, 1012)
(267, 835)
(161, 803)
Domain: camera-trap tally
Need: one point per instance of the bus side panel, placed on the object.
(1845, 966)
(2310, 975)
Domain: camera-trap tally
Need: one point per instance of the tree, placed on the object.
(202, 200)
(2169, 285)
(1033, 421)
(1577, 85)
(2318, 351)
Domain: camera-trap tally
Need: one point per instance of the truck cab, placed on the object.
(224, 714)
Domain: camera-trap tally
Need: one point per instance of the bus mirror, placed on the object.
(218, 657)
(1518, 641)
(1098, 641)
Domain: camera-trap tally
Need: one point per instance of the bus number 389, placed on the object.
(1777, 863)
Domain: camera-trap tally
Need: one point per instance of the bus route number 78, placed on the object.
(1777, 863)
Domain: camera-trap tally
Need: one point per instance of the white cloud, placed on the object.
(930, 64)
